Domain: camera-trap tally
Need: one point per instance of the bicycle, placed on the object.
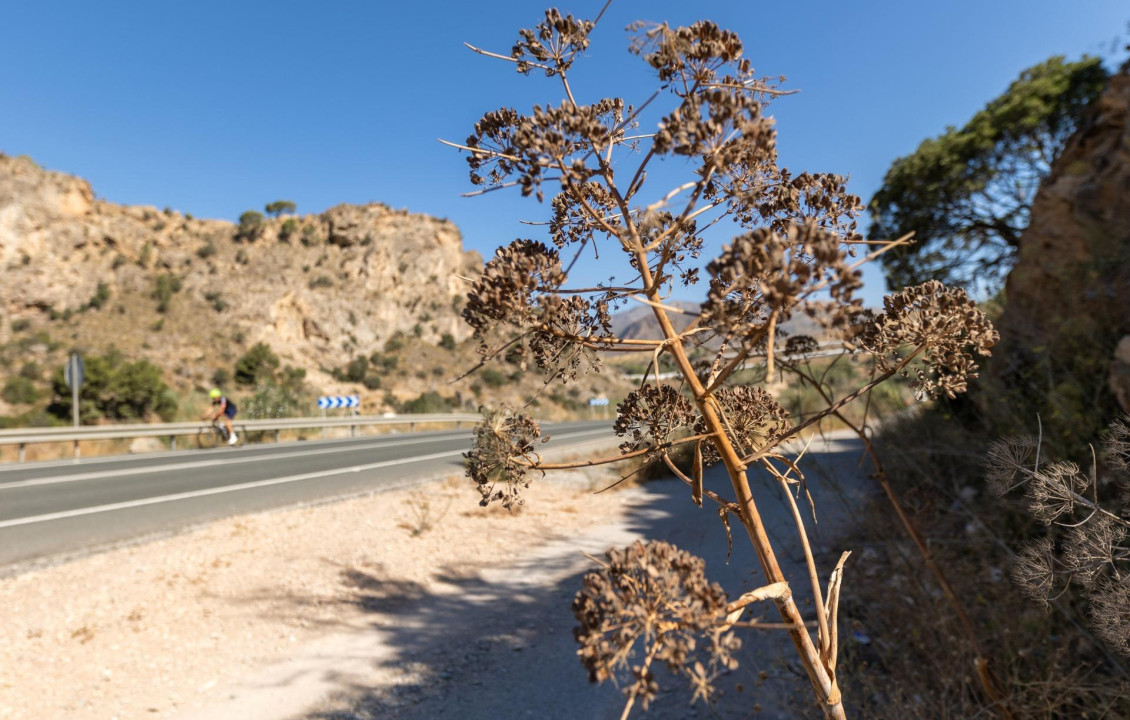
(216, 433)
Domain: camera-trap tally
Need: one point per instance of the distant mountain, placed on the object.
(639, 323)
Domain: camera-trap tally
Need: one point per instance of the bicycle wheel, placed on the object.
(240, 435)
(207, 438)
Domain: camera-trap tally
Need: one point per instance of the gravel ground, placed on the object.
(150, 630)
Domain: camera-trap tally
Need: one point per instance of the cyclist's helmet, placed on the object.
(214, 393)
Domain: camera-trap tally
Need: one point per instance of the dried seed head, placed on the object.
(651, 416)
(1034, 569)
(765, 272)
(552, 43)
(1116, 443)
(1089, 549)
(1110, 614)
(944, 323)
(1052, 492)
(752, 419)
(1007, 462)
(512, 282)
(652, 600)
(499, 459)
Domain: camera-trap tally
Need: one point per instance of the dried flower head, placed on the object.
(1116, 443)
(1054, 490)
(500, 456)
(1008, 462)
(1034, 569)
(1091, 548)
(752, 418)
(651, 416)
(940, 323)
(511, 283)
(650, 601)
(552, 43)
(1110, 613)
(765, 273)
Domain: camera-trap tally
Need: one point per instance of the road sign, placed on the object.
(339, 401)
(74, 372)
(598, 401)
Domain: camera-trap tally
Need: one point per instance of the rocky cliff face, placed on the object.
(1068, 298)
(319, 289)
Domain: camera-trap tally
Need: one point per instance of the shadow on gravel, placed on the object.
(501, 645)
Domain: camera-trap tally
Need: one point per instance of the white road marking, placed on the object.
(204, 463)
(242, 486)
(216, 491)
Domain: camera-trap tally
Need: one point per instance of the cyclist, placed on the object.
(222, 407)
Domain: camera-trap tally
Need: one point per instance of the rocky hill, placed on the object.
(192, 295)
(1065, 350)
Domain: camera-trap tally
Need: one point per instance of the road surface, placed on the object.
(60, 509)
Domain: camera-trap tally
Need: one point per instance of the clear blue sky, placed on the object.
(214, 108)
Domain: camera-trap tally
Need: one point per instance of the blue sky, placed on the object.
(214, 108)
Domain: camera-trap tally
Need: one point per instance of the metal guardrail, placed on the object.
(29, 436)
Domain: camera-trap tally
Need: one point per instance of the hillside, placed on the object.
(193, 295)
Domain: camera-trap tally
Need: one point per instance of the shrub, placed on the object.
(206, 250)
(287, 230)
(427, 403)
(20, 324)
(221, 377)
(447, 341)
(163, 289)
(30, 370)
(321, 281)
(257, 366)
(395, 342)
(217, 301)
(19, 391)
(493, 378)
(101, 295)
(386, 363)
(372, 382)
(357, 368)
(250, 225)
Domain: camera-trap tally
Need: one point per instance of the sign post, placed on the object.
(73, 374)
(596, 402)
(339, 401)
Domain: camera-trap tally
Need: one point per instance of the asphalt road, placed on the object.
(60, 509)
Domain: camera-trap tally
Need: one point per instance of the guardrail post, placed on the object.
(172, 442)
(23, 449)
(278, 438)
(76, 449)
(411, 427)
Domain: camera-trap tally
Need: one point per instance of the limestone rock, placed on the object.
(319, 289)
(1068, 297)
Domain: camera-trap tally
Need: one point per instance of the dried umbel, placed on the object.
(552, 43)
(1089, 551)
(752, 418)
(1117, 444)
(940, 323)
(652, 416)
(763, 275)
(511, 283)
(650, 602)
(501, 456)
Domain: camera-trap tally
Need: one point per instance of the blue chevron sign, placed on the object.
(339, 401)
(598, 401)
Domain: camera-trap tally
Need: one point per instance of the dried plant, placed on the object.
(1085, 545)
(798, 252)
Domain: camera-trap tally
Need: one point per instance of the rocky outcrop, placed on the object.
(319, 289)
(1068, 297)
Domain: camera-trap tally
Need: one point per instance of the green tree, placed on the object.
(257, 366)
(250, 225)
(278, 207)
(966, 194)
(19, 390)
(116, 389)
